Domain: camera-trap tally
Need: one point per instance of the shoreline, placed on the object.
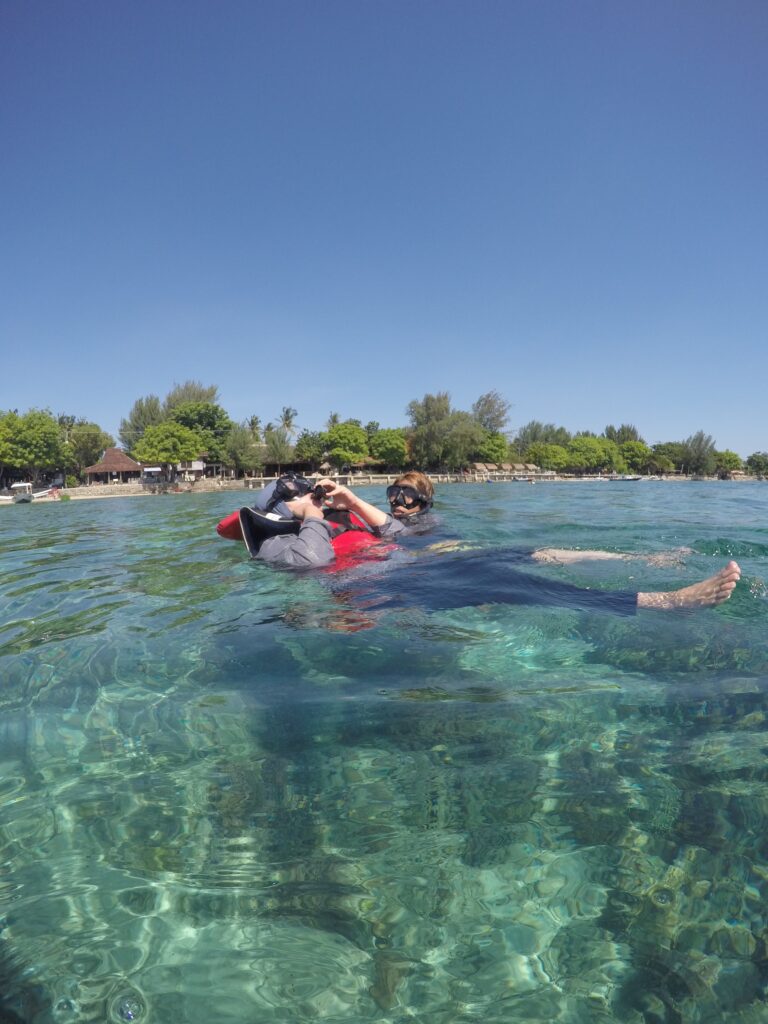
(106, 491)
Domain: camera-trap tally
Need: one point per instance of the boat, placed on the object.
(622, 479)
(22, 493)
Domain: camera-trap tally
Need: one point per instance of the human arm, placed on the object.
(310, 547)
(339, 496)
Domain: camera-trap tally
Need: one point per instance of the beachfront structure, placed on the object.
(114, 467)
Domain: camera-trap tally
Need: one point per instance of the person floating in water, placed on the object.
(296, 529)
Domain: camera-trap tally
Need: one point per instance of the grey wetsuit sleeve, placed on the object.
(311, 546)
(389, 529)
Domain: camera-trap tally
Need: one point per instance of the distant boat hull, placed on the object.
(22, 499)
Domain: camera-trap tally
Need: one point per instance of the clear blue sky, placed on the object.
(342, 205)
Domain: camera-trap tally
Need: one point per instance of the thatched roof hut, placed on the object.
(114, 465)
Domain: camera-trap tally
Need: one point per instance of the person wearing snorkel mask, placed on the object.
(297, 523)
(410, 500)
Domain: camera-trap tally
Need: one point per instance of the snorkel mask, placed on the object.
(403, 496)
(272, 498)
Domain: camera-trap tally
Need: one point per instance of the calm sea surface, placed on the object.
(235, 794)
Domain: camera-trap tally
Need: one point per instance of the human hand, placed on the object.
(336, 495)
(306, 507)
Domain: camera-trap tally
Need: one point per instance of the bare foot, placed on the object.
(709, 592)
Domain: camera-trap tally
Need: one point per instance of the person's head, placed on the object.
(410, 494)
(276, 498)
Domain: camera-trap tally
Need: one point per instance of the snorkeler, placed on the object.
(300, 531)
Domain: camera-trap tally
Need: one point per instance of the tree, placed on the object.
(463, 440)
(242, 449)
(86, 445)
(700, 454)
(637, 455)
(279, 447)
(547, 456)
(32, 443)
(492, 412)
(757, 464)
(371, 429)
(168, 443)
(333, 420)
(594, 455)
(254, 425)
(145, 412)
(310, 447)
(287, 420)
(189, 391)
(727, 462)
(347, 443)
(494, 448)
(626, 432)
(430, 423)
(670, 453)
(537, 432)
(390, 447)
(209, 422)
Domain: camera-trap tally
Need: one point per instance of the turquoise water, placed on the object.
(234, 794)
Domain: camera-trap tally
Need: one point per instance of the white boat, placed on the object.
(23, 493)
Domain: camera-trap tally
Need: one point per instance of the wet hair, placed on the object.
(419, 481)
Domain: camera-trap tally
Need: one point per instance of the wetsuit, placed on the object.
(311, 547)
(468, 579)
(460, 580)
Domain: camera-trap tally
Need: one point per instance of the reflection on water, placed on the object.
(228, 795)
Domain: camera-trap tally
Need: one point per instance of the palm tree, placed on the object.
(333, 421)
(288, 419)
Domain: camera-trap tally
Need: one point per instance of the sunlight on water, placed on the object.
(235, 794)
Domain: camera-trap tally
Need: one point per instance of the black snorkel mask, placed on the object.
(291, 486)
(403, 496)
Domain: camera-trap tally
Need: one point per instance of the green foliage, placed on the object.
(430, 424)
(757, 464)
(347, 443)
(637, 456)
(492, 412)
(209, 422)
(311, 447)
(71, 481)
(372, 428)
(539, 433)
(463, 440)
(594, 455)
(32, 442)
(279, 449)
(494, 448)
(621, 435)
(242, 449)
(145, 412)
(86, 445)
(333, 420)
(727, 462)
(287, 420)
(700, 454)
(547, 456)
(669, 456)
(168, 443)
(189, 391)
(389, 447)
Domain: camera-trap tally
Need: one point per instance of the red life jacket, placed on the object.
(350, 539)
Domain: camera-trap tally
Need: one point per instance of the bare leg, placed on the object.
(566, 556)
(709, 592)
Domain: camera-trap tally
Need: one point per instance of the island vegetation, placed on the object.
(190, 423)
